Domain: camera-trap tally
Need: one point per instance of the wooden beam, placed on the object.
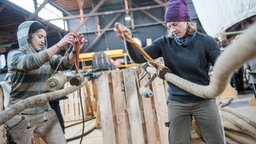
(131, 14)
(232, 33)
(151, 16)
(159, 2)
(106, 13)
(135, 26)
(103, 31)
(92, 12)
(60, 8)
(80, 5)
(37, 10)
(96, 18)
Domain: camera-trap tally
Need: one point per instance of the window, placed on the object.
(47, 12)
(51, 12)
(25, 4)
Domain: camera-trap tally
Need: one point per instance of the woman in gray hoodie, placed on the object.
(29, 68)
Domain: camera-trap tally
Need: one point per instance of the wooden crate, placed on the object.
(126, 116)
(71, 107)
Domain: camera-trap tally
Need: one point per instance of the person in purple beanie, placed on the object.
(189, 55)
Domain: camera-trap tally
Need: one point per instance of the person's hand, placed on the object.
(247, 72)
(119, 29)
(161, 71)
(83, 41)
(210, 74)
(80, 38)
(67, 39)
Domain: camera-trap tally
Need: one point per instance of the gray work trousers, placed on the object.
(46, 125)
(206, 115)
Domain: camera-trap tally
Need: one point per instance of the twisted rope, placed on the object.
(36, 100)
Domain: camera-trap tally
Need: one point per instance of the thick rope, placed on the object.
(37, 100)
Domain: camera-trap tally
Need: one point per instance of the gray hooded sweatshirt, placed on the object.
(29, 70)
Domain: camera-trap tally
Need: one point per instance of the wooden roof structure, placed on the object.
(12, 15)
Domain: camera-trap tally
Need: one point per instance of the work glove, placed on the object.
(162, 71)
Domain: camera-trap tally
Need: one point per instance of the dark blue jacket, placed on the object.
(190, 62)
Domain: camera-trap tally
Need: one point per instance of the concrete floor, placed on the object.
(93, 137)
(239, 104)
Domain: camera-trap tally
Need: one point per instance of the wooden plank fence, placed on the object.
(126, 116)
(71, 107)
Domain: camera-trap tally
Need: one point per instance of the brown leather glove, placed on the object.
(162, 71)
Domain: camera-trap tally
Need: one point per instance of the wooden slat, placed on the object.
(148, 113)
(89, 99)
(64, 105)
(161, 108)
(133, 107)
(106, 113)
(76, 104)
(86, 102)
(70, 107)
(110, 53)
(95, 92)
(119, 108)
(118, 66)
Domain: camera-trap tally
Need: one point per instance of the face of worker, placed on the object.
(38, 39)
(178, 29)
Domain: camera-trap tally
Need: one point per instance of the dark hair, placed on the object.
(35, 26)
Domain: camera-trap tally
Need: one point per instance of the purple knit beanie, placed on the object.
(177, 10)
